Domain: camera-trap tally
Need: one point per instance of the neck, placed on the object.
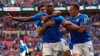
(49, 13)
(76, 15)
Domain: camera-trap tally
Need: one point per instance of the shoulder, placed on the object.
(59, 16)
(84, 15)
(19, 45)
(38, 22)
(24, 44)
(58, 19)
(43, 13)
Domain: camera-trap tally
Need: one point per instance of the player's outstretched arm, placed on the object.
(21, 19)
(36, 17)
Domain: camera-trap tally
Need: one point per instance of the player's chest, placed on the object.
(21, 46)
(75, 20)
(49, 19)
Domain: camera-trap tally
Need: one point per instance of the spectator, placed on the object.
(22, 48)
(30, 47)
(1, 4)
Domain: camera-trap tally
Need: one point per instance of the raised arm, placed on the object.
(23, 19)
(36, 17)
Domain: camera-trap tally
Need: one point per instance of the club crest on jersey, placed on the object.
(85, 20)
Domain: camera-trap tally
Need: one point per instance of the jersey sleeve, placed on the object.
(38, 23)
(59, 19)
(38, 16)
(84, 20)
(68, 19)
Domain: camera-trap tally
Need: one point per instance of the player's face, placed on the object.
(49, 10)
(42, 9)
(21, 41)
(73, 11)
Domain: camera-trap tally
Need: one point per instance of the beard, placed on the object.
(49, 12)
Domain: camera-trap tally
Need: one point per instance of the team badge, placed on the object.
(85, 20)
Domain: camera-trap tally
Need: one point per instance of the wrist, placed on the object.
(78, 28)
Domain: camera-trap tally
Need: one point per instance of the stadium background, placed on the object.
(12, 31)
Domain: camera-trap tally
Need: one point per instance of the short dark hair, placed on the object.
(39, 7)
(76, 6)
(50, 5)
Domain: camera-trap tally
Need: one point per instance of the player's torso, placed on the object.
(76, 36)
(22, 47)
(52, 34)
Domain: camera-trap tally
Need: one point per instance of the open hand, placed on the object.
(8, 17)
(82, 28)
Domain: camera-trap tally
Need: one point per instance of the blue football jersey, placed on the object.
(52, 34)
(22, 48)
(38, 16)
(77, 37)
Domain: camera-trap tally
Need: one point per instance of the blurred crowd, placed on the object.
(9, 36)
(32, 3)
(9, 43)
(14, 25)
(94, 29)
(95, 33)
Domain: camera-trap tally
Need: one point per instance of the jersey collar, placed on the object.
(77, 15)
